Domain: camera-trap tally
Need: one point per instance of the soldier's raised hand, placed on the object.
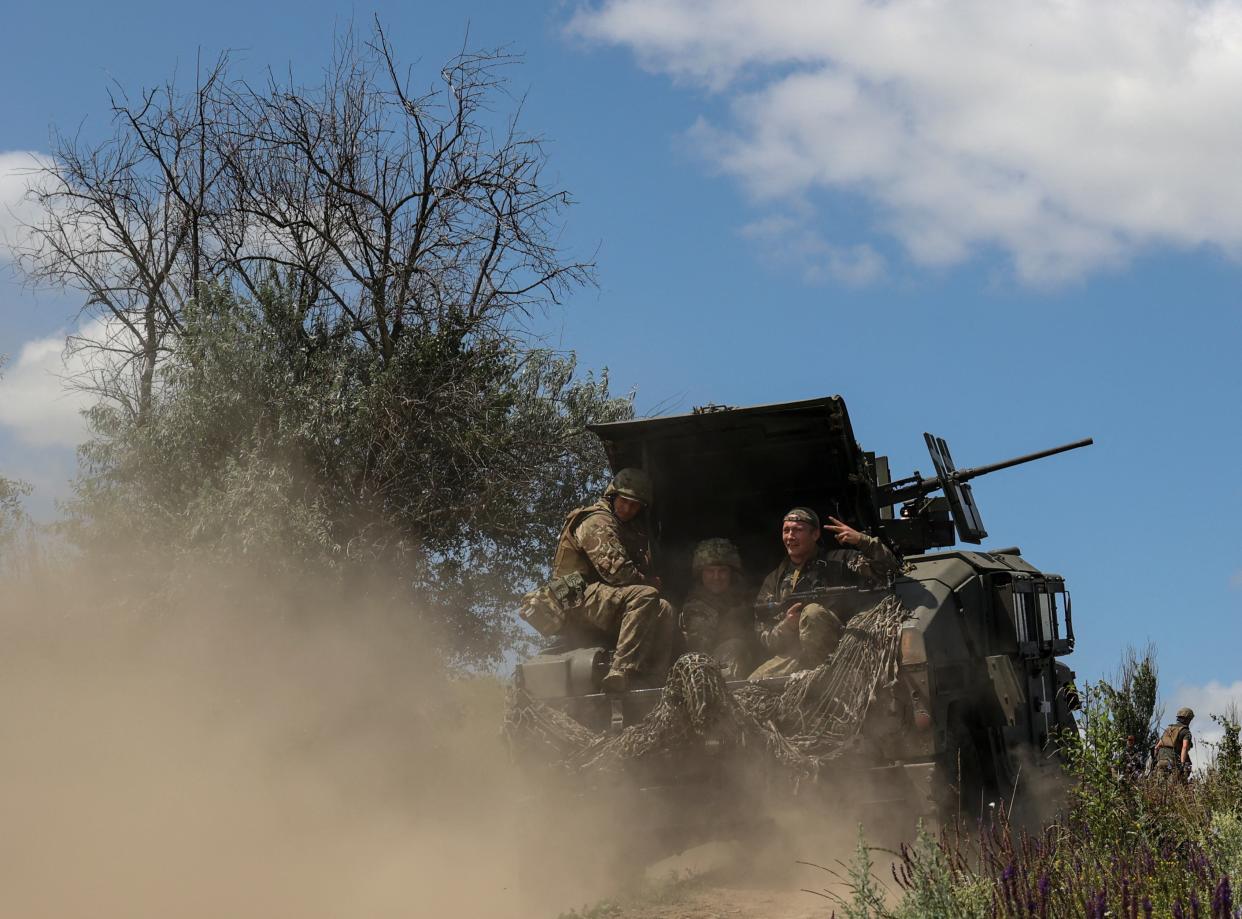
(843, 533)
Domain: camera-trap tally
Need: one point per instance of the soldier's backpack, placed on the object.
(1171, 742)
(546, 608)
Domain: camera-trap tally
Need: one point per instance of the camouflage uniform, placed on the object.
(818, 628)
(721, 625)
(1168, 751)
(612, 558)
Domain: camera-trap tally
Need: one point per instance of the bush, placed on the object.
(938, 881)
(1130, 844)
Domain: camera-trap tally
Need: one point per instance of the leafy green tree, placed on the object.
(1131, 700)
(1229, 751)
(1103, 793)
(450, 467)
(316, 347)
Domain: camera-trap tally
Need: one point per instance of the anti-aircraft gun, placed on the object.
(927, 520)
(980, 696)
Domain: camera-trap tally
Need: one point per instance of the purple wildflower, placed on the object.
(1222, 899)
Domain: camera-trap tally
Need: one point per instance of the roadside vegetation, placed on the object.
(1128, 843)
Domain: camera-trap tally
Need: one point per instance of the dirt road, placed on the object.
(720, 903)
(719, 881)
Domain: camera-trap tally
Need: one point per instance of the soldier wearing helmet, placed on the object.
(602, 583)
(1172, 751)
(805, 634)
(717, 617)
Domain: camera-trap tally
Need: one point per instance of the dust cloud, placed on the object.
(261, 746)
(258, 747)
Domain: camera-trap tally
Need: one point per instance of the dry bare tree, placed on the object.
(387, 211)
(416, 223)
(397, 210)
(121, 222)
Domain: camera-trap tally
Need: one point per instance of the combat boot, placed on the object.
(615, 681)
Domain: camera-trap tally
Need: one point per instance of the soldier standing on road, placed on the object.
(717, 617)
(1172, 750)
(807, 634)
(601, 580)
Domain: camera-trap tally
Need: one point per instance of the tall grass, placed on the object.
(1129, 844)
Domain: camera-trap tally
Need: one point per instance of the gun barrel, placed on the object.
(916, 486)
(965, 475)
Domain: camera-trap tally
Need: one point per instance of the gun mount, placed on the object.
(927, 522)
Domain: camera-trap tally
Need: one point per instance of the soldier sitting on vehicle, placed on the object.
(1172, 751)
(804, 635)
(602, 583)
(717, 617)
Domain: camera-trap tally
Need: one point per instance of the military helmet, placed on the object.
(715, 552)
(1185, 715)
(631, 483)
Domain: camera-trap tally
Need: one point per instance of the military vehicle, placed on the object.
(982, 691)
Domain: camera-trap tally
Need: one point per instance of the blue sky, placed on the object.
(1012, 231)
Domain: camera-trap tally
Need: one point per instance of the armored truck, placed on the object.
(981, 691)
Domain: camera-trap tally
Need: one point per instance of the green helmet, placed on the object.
(715, 552)
(631, 483)
(1185, 715)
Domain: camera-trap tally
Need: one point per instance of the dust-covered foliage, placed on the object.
(16, 528)
(1130, 843)
(312, 342)
(450, 467)
(863, 896)
(11, 514)
(13, 517)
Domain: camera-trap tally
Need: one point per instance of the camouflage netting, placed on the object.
(815, 718)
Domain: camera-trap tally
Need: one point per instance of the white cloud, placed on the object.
(35, 400)
(1213, 698)
(1070, 134)
(788, 241)
(17, 169)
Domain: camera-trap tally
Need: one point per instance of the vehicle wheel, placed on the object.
(969, 774)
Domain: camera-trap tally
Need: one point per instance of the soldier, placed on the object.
(717, 617)
(809, 632)
(601, 580)
(1172, 751)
